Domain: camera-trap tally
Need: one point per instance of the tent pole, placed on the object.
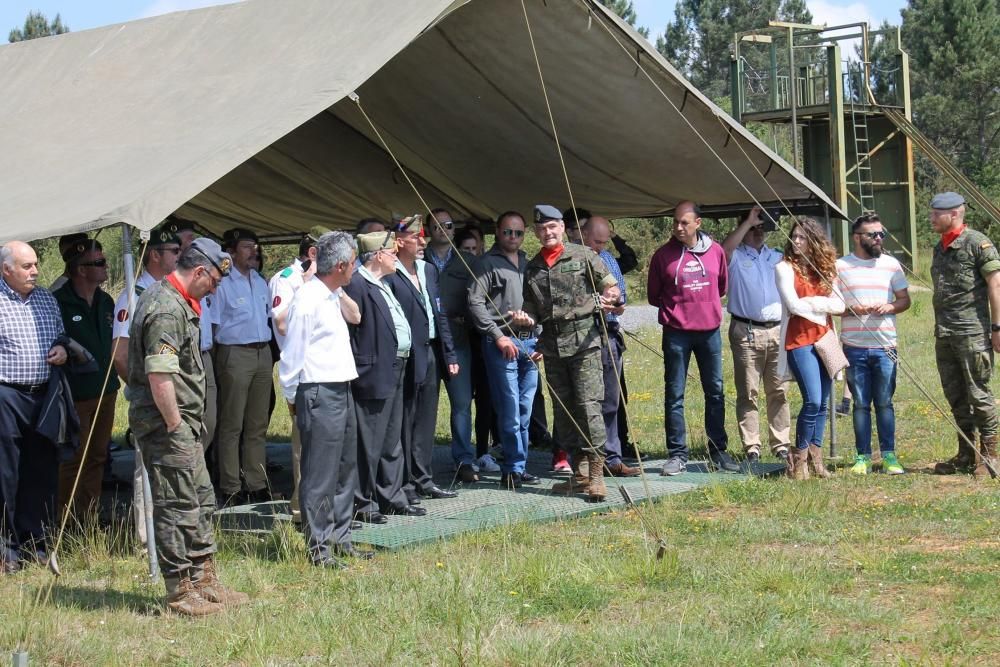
(831, 409)
(147, 494)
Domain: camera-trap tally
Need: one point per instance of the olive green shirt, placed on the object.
(563, 301)
(89, 324)
(165, 337)
(961, 296)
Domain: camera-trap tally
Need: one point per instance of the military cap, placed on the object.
(69, 240)
(317, 231)
(413, 224)
(544, 213)
(162, 235)
(178, 225)
(79, 249)
(945, 201)
(237, 234)
(214, 253)
(375, 241)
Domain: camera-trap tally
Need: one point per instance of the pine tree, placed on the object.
(35, 26)
(626, 10)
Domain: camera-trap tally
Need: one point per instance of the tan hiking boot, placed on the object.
(800, 464)
(816, 462)
(964, 461)
(182, 598)
(596, 491)
(580, 480)
(210, 588)
(987, 453)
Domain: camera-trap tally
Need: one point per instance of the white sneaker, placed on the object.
(487, 463)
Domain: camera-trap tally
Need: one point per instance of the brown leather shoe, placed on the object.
(619, 469)
(210, 588)
(816, 462)
(580, 480)
(987, 454)
(182, 598)
(597, 491)
(800, 464)
(467, 475)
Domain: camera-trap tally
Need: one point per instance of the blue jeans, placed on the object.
(512, 387)
(872, 378)
(814, 384)
(677, 349)
(459, 390)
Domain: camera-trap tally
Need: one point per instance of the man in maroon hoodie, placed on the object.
(687, 278)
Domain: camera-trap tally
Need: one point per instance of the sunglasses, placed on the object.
(516, 233)
(99, 263)
(873, 235)
(447, 225)
(176, 250)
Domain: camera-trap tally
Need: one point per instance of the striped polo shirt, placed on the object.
(869, 282)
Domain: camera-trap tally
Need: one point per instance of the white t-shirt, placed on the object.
(869, 282)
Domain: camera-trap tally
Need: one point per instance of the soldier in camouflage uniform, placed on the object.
(966, 274)
(167, 381)
(559, 294)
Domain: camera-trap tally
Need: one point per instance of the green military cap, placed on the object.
(69, 240)
(412, 224)
(162, 235)
(178, 225)
(80, 248)
(374, 241)
(237, 234)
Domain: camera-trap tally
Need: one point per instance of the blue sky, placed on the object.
(655, 14)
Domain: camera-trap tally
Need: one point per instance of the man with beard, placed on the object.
(874, 289)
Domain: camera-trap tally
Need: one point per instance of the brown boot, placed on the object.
(182, 598)
(816, 462)
(987, 454)
(210, 588)
(964, 461)
(800, 464)
(580, 480)
(596, 492)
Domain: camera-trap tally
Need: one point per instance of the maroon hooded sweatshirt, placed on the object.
(687, 284)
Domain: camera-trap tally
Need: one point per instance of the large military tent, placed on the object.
(243, 113)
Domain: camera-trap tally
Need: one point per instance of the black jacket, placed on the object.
(373, 341)
(57, 420)
(413, 306)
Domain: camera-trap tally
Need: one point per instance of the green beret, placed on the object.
(162, 235)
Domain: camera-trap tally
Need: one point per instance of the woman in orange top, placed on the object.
(805, 283)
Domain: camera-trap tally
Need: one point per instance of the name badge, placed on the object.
(78, 318)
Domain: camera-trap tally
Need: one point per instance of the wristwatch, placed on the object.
(995, 328)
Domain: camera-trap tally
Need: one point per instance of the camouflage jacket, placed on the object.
(563, 300)
(961, 298)
(165, 337)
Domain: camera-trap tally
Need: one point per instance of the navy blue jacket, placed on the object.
(373, 342)
(413, 306)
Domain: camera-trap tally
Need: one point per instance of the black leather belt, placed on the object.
(254, 346)
(762, 325)
(27, 388)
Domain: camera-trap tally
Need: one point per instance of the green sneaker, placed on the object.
(862, 465)
(890, 464)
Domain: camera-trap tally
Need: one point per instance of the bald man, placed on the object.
(28, 350)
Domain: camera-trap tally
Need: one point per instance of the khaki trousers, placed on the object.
(755, 358)
(88, 489)
(244, 377)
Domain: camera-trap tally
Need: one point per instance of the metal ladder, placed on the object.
(863, 169)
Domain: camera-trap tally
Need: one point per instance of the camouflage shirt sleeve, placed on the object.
(602, 276)
(987, 258)
(163, 339)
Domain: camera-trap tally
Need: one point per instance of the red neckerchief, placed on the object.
(949, 237)
(551, 255)
(195, 306)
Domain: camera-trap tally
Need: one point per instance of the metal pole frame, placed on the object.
(147, 494)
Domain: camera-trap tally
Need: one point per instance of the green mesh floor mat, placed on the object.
(484, 505)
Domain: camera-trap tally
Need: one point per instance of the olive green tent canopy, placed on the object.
(244, 114)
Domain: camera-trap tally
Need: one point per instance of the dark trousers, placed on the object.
(420, 404)
(623, 434)
(380, 453)
(28, 474)
(538, 428)
(325, 415)
(611, 359)
(486, 417)
(678, 346)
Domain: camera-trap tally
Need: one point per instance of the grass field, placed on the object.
(875, 570)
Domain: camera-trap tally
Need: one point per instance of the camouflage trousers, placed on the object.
(578, 383)
(183, 499)
(965, 364)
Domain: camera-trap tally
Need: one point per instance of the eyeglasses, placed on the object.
(99, 263)
(516, 233)
(215, 281)
(872, 235)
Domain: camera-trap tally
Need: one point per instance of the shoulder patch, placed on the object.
(287, 273)
(139, 289)
(276, 302)
(122, 315)
(985, 244)
(167, 349)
